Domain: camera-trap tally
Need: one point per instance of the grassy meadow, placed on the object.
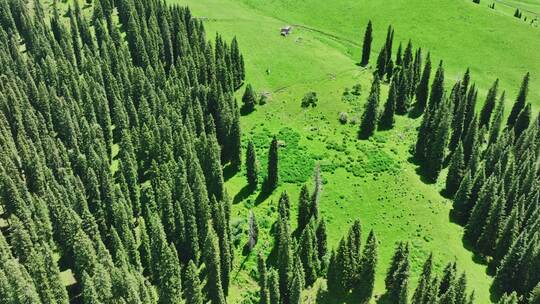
(369, 180)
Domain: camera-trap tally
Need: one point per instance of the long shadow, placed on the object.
(228, 172)
(263, 195)
(415, 112)
(242, 194)
(478, 259)
(423, 176)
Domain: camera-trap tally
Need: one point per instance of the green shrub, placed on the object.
(310, 99)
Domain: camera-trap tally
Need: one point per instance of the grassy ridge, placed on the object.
(491, 42)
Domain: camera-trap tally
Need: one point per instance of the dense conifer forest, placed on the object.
(120, 124)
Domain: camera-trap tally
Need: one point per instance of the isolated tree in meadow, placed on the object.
(386, 121)
(253, 231)
(368, 123)
(489, 106)
(317, 192)
(456, 171)
(248, 100)
(272, 177)
(422, 90)
(252, 166)
(520, 101)
(192, 284)
(366, 49)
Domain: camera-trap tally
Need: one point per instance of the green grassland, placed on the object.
(370, 180)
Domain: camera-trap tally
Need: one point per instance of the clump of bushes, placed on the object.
(343, 118)
(310, 99)
(263, 99)
(517, 13)
(357, 89)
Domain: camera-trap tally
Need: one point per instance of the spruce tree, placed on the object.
(522, 121)
(248, 100)
(272, 177)
(456, 171)
(366, 48)
(422, 291)
(253, 231)
(497, 120)
(263, 280)
(252, 166)
(368, 123)
(365, 280)
(520, 101)
(213, 266)
(304, 214)
(386, 121)
(435, 159)
(322, 243)
(273, 287)
(381, 63)
(422, 90)
(437, 87)
(192, 285)
(489, 106)
(339, 270)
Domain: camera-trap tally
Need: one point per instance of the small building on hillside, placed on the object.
(285, 31)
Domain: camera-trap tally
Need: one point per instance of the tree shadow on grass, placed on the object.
(242, 194)
(228, 172)
(415, 112)
(420, 170)
(263, 195)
